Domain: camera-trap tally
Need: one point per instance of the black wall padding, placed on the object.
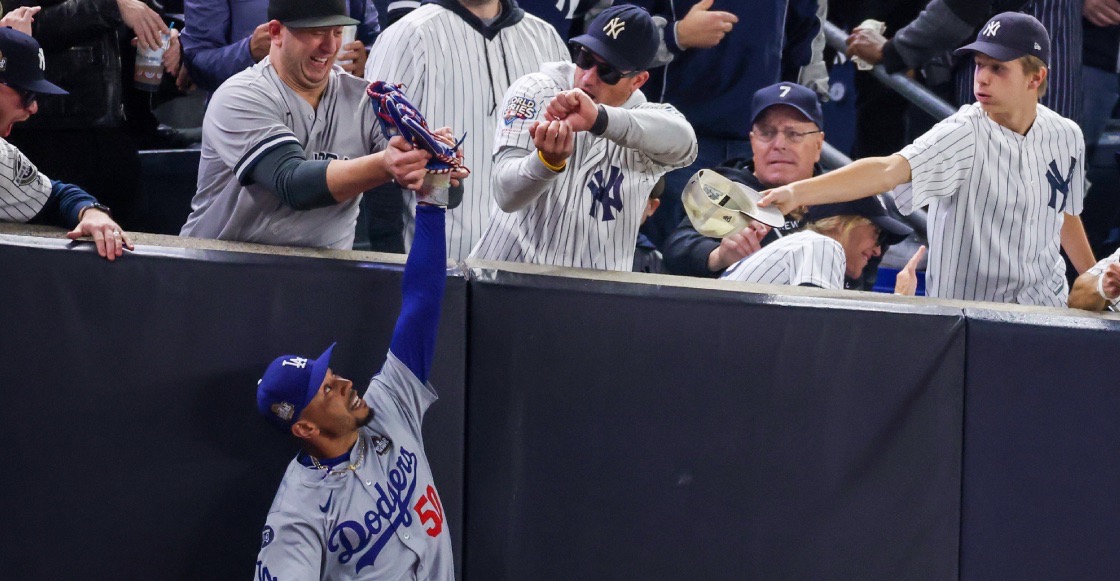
(133, 449)
(625, 431)
(1041, 496)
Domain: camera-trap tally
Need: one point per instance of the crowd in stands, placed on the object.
(582, 122)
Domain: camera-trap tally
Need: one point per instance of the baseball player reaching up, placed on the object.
(580, 149)
(359, 502)
(1004, 179)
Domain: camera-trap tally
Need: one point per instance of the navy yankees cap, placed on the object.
(1010, 35)
(310, 13)
(870, 208)
(801, 98)
(288, 385)
(624, 35)
(22, 63)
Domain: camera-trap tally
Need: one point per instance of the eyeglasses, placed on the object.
(587, 60)
(27, 97)
(767, 134)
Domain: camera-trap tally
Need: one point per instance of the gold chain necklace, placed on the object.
(349, 467)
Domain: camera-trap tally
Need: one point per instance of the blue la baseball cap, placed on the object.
(1009, 36)
(288, 385)
(624, 35)
(22, 63)
(801, 98)
(870, 208)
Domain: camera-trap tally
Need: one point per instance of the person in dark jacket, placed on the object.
(723, 51)
(787, 135)
(87, 46)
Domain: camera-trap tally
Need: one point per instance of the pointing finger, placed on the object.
(916, 259)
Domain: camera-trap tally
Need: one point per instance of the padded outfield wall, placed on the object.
(590, 425)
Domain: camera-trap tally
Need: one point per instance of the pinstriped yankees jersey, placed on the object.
(588, 215)
(23, 190)
(1103, 263)
(805, 257)
(249, 115)
(997, 201)
(456, 76)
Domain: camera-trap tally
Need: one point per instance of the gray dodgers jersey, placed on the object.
(456, 77)
(805, 257)
(23, 190)
(382, 521)
(254, 112)
(587, 215)
(997, 202)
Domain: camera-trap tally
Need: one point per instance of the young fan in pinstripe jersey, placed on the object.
(456, 59)
(1004, 179)
(572, 186)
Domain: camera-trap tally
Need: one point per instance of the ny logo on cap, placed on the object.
(1036, 47)
(42, 61)
(614, 27)
(992, 28)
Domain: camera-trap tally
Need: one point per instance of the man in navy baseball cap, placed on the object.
(792, 95)
(21, 66)
(612, 58)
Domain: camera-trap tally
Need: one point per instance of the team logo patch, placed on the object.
(381, 445)
(266, 536)
(520, 108)
(283, 410)
(25, 171)
(991, 29)
(606, 192)
(614, 28)
(3, 62)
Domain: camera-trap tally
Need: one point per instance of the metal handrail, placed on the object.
(912, 91)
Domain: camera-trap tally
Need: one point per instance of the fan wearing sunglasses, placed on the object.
(25, 194)
(580, 149)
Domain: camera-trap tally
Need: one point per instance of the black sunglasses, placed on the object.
(585, 59)
(28, 97)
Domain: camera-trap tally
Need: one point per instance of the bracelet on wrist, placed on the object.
(1100, 291)
(555, 168)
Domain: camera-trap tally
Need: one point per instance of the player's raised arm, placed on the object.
(860, 179)
(414, 338)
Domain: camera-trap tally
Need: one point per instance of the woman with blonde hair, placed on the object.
(837, 240)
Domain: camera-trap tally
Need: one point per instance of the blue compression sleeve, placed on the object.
(425, 275)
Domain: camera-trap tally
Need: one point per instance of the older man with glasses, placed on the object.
(787, 134)
(580, 149)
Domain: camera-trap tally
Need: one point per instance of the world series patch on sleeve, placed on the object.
(519, 108)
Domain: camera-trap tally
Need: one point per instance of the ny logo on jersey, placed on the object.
(614, 28)
(607, 194)
(992, 28)
(572, 5)
(1059, 184)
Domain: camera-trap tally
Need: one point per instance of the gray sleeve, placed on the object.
(815, 74)
(936, 30)
(656, 130)
(290, 549)
(300, 183)
(519, 178)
